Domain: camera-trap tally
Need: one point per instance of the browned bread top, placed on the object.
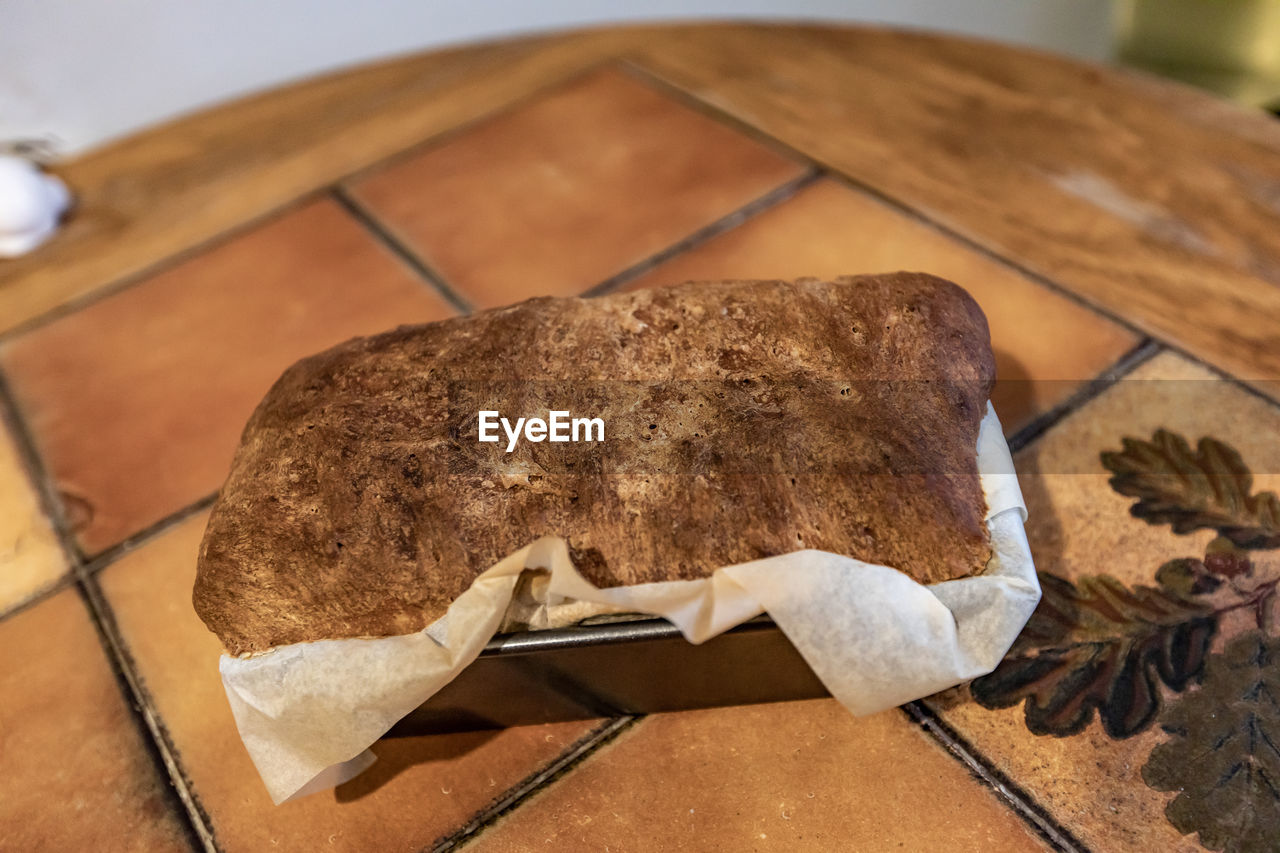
(742, 420)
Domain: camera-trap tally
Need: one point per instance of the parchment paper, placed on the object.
(308, 712)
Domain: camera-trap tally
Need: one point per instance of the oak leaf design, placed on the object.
(1098, 644)
(1224, 754)
(1209, 487)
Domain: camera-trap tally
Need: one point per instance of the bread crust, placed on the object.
(743, 420)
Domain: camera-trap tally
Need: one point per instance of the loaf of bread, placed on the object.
(740, 420)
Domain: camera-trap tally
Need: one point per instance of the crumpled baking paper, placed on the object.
(308, 712)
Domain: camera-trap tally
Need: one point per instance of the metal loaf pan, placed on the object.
(636, 667)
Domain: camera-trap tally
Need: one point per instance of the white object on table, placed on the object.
(31, 205)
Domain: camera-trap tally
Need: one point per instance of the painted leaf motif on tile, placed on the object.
(1100, 645)
(1225, 579)
(1209, 487)
(1224, 754)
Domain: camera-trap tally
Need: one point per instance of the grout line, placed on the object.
(447, 135)
(157, 266)
(516, 795)
(99, 561)
(1126, 364)
(66, 579)
(42, 482)
(1243, 384)
(774, 197)
(636, 69)
(654, 79)
(1019, 800)
(973, 245)
(196, 823)
(144, 715)
(398, 248)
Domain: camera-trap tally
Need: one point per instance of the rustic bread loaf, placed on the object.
(742, 420)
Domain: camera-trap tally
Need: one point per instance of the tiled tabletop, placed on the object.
(1139, 711)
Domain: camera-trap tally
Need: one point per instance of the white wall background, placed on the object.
(81, 72)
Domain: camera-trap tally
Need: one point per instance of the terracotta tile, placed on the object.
(77, 774)
(420, 789)
(1091, 782)
(1045, 344)
(570, 189)
(788, 776)
(30, 557)
(137, 401)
